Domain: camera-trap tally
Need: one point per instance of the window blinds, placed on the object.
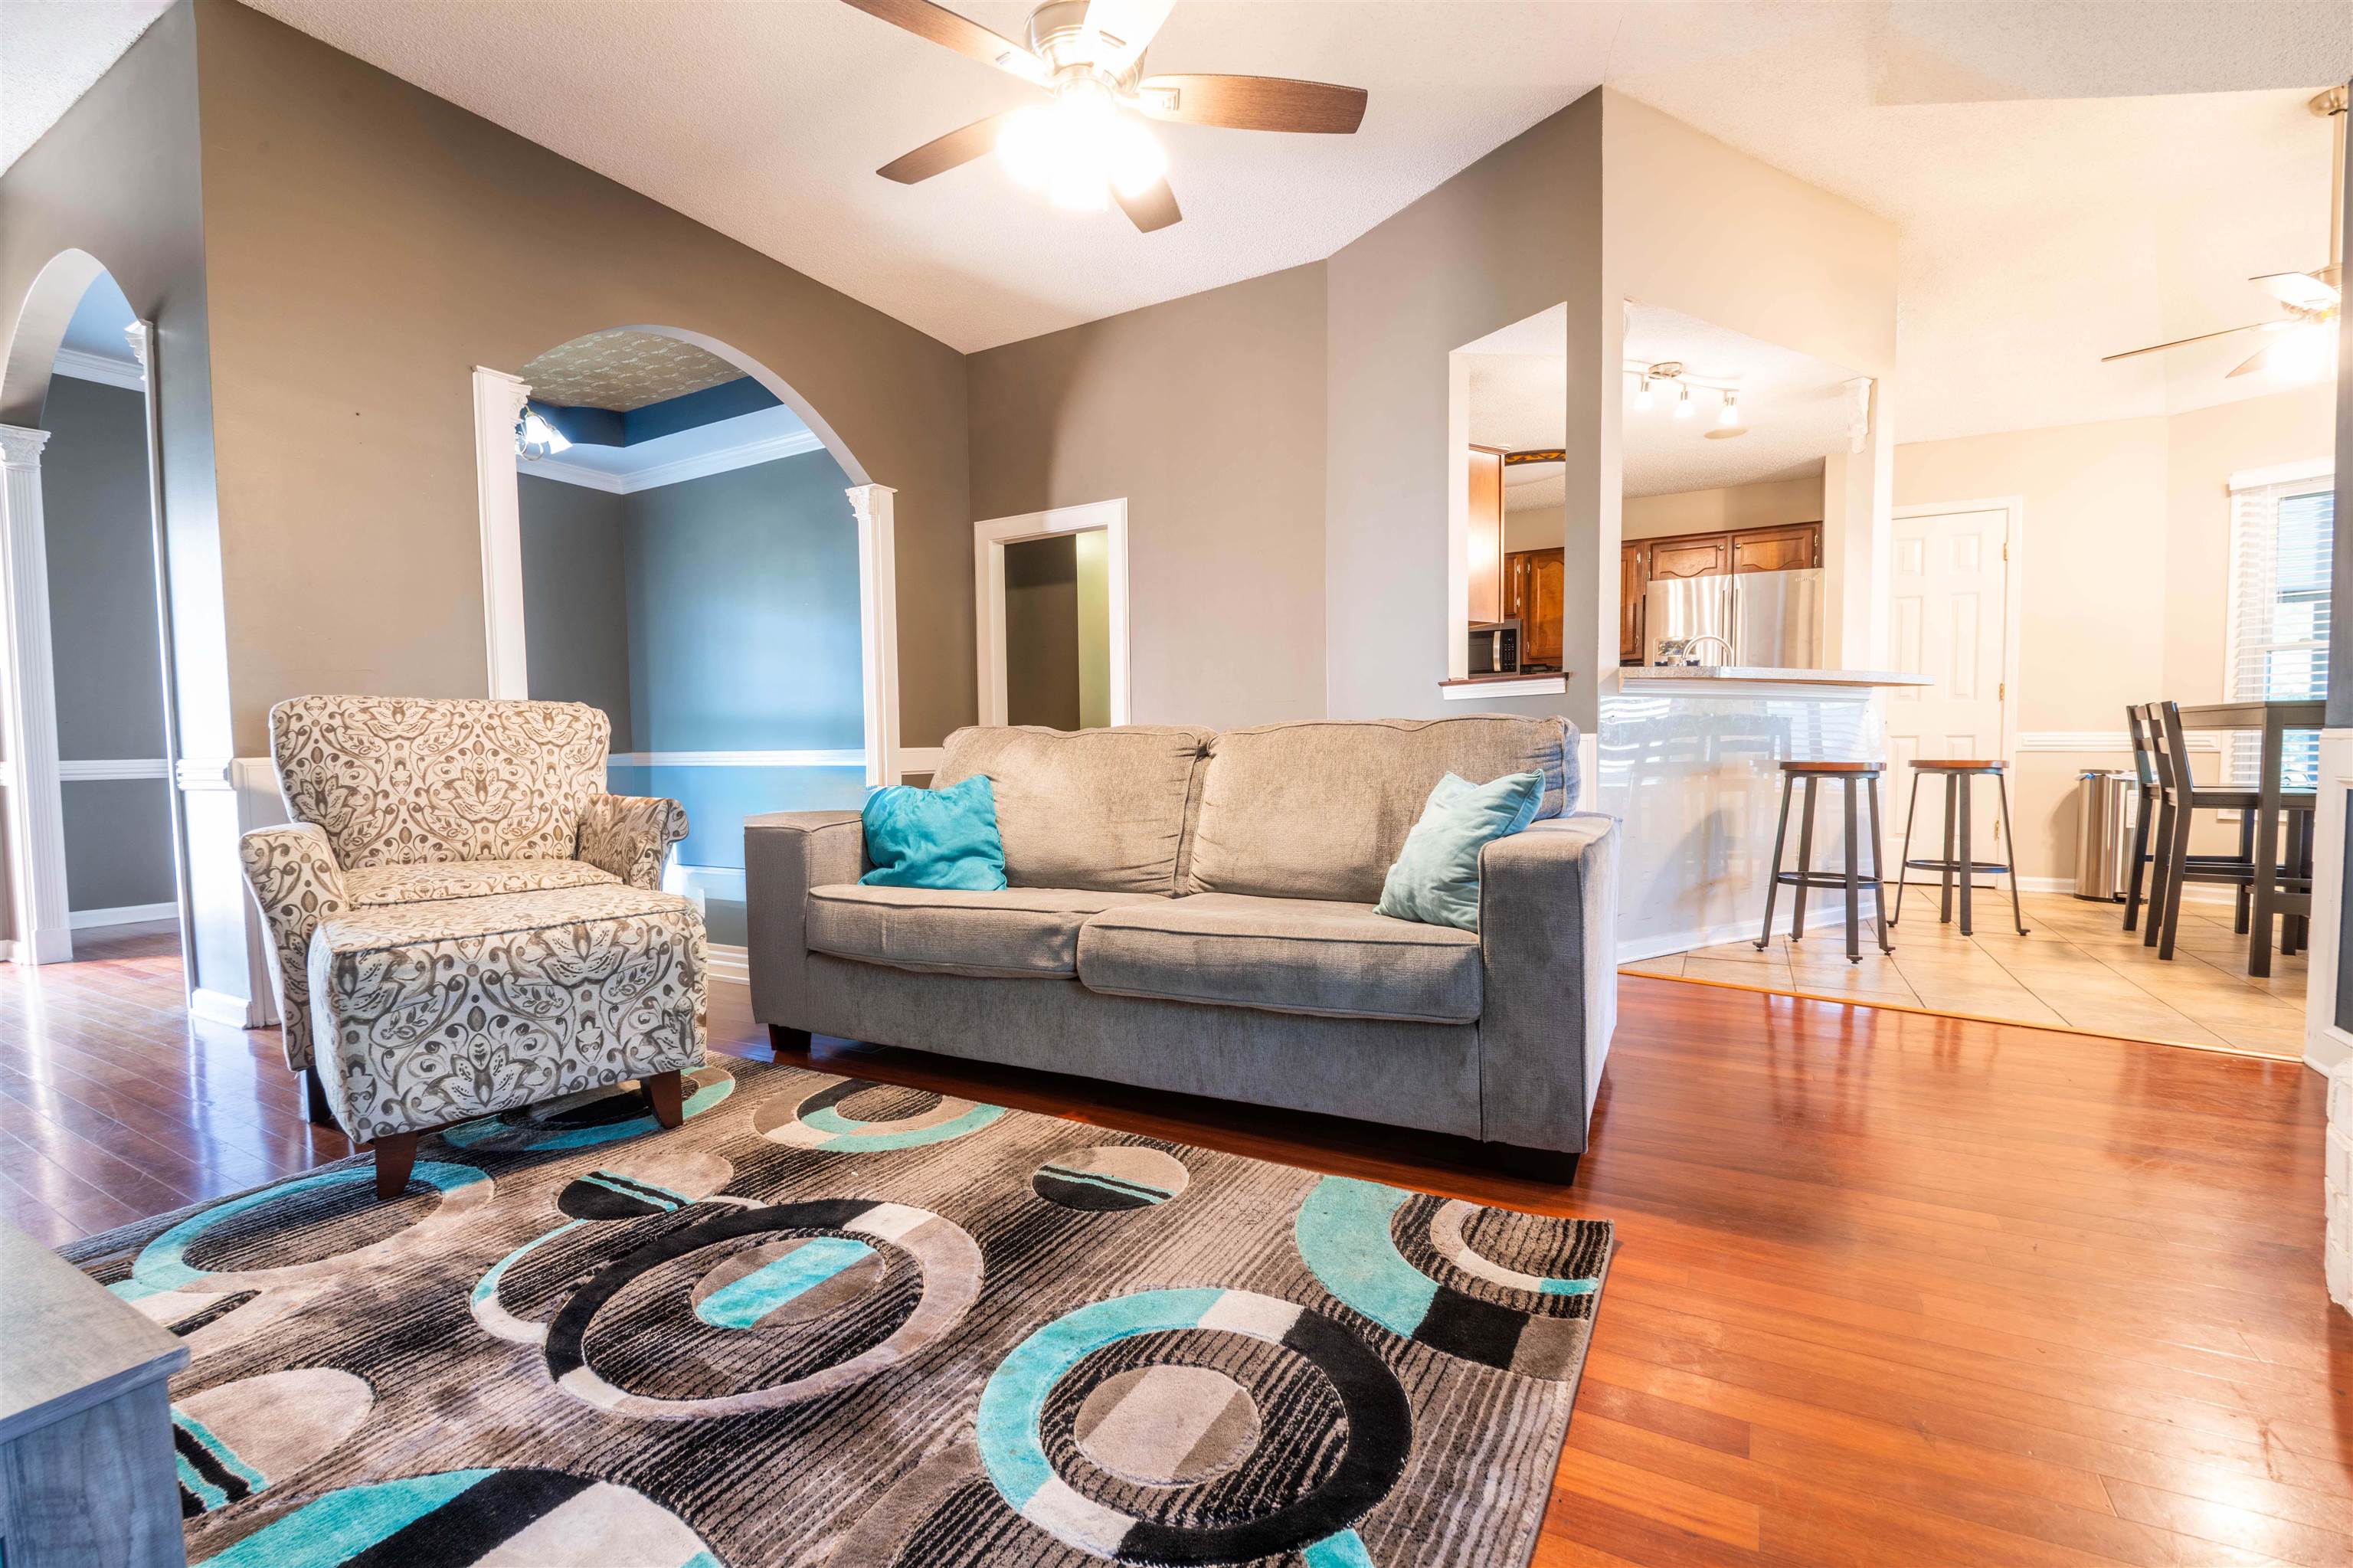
(2278, 634)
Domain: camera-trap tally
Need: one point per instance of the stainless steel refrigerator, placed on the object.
(1770, 619)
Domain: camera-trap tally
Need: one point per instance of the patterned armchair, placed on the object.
(402, 801)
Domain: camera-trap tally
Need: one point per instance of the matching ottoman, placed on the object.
(425, 1014)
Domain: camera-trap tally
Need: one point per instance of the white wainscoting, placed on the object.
(702, 883)
(2103, 740)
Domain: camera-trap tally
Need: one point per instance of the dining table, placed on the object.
(2274, 717)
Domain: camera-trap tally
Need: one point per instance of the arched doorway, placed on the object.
(95, 853)
(691, 549)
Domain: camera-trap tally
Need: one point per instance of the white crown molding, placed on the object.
(737, 759)
(84, 367)
(71, 771)
(722, 461)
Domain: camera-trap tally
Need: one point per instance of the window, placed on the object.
(2281, 525)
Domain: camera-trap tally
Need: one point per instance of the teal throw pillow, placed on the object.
(1436, 877)
(935, 838)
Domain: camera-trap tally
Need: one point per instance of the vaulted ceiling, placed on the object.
(2068, 177)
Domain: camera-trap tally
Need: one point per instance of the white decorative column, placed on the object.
(878, 627)
(499, 400)
(35, 814)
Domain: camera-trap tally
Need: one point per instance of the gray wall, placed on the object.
(1207, 414)
(576, 597)
(108, 674)
(1041, 631)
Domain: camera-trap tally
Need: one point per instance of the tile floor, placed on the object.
(2076, 968)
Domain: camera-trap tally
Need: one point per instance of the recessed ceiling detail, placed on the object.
(622, 370)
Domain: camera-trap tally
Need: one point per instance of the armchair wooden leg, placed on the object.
(395, 1156)
(783, 1041)
(668, 1095)
(314, 1094)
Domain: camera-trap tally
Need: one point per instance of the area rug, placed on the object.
(830, 1321)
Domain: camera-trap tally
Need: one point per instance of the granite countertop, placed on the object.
(1770, 674)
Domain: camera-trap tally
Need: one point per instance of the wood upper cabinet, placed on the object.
(1791, 549)
(1534, 588)
(1691, 555)
(1633, 586)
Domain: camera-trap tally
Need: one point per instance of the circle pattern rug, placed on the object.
(829, 1322)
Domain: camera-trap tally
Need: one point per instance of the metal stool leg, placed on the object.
(1805, 864)
(1944, 902)
(2160, 871)
(1968, 858)
(1903, 861)
(1773, 876)
(2009, 837)
(1853, 879)
(1878, 872)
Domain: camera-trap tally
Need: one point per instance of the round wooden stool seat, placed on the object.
(1957, 765)
(1841, 769)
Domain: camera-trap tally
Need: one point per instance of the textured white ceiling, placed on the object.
(2036, 234)
(621, 370)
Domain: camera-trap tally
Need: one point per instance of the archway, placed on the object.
(672, 533)
(89, 803)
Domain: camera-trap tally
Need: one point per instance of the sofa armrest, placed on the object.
(785, 854)
(1548, 950)
(295, 882)
(630, 835)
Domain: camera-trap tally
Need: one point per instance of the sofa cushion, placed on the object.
(1094, 809)
(1283, 955)
(1017, 932)
(378, 884)
(1320, 809)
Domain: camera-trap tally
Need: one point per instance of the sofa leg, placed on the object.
(783, 1041)
(316, 1096)
(667, 1095)
(395, 1156)
(1535, 1164)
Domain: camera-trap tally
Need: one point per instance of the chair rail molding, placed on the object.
(28, 710)
(499, 400)
(840, 758)
(74, 770)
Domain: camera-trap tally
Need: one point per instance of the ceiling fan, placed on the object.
(1084, 144)
(2309, 302)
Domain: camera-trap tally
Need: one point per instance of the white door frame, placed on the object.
(988, 541)
(29, 785)
(2014, 542)
(499, 400)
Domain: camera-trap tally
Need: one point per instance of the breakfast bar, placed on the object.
(1688, 759)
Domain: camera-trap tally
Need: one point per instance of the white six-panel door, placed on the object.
(1948, 619)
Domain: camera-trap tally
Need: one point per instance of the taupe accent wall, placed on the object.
(1207, 415)
(1516, 233)
(368, 245)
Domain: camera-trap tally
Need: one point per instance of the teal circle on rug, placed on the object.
(829, 1117)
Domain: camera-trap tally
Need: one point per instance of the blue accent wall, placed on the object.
(612, 428)
(730, 604)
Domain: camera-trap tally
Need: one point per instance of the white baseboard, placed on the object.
(123, 914)
(218, 1007)
(2194, 893)
(1633, 950)
(8, 950)
(730, 964)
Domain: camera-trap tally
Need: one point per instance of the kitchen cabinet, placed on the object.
(1486, 533)
(1633, 584)
(1796, 546)
(1534, 583)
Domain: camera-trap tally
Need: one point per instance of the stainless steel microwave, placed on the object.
(1495, 648)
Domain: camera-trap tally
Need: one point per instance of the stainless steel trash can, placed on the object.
(2106, 803)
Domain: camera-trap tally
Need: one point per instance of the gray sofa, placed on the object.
(1193, 911)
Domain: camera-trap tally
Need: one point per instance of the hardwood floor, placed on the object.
(1891, 1288)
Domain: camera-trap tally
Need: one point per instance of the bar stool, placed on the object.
(1960, 858)
(1812, 774)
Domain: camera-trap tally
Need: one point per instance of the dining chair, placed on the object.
(2140, 727)
(2179, 796)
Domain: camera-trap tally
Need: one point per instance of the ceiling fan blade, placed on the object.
(2201, 337)
(942, 154)
(2302, 291)
(1254, 103)
(1155, 208)
(965, 36)
(2254, 362)
(1125, 28)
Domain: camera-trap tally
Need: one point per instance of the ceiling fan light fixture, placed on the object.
(2306, 354)
(1080, 147)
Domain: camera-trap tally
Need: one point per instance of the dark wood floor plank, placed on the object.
(1890, 1288)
